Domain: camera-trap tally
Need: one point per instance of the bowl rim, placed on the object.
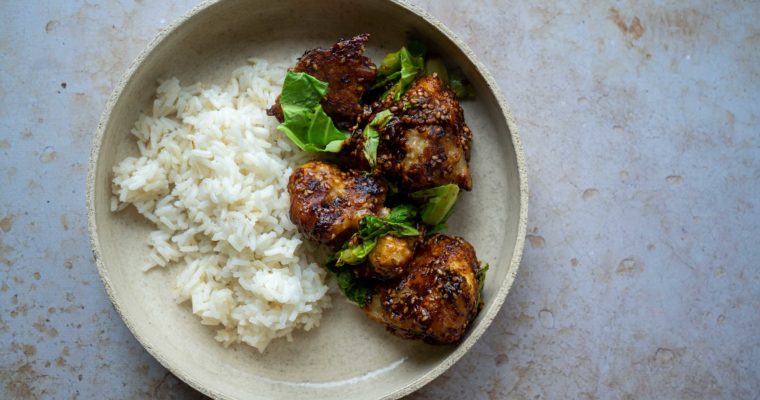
(488, 314)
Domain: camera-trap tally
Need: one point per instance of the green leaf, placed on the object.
(398, 223)
(306, 123)
(390, 65)
(480, 275)
(462, 90)
(354, 255)
(460, 86)
(440, 202)
(455, 79)
(355, 289)
(411, 66)
(381, 82)
(301, 90)
(401, 67)
(435, 229)
(436, 66)
(323, 131)
(372, 135)
(371, 227)
(403, 213)
(402, 229)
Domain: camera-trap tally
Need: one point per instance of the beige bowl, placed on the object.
(348, 356)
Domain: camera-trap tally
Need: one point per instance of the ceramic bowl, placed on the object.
(347, 356)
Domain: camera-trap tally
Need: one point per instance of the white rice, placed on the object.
(212, 175)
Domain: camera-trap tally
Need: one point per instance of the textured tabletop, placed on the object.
(641, 275)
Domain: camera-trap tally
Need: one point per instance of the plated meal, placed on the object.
(251, 183)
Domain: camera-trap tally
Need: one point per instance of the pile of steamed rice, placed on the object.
(212, 175)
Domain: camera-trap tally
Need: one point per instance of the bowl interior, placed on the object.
(347, 355)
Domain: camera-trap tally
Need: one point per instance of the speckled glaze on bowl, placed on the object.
(347, 356)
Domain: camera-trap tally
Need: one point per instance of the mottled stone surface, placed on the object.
(641, 276)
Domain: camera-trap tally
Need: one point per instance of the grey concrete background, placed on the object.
(641, 276)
